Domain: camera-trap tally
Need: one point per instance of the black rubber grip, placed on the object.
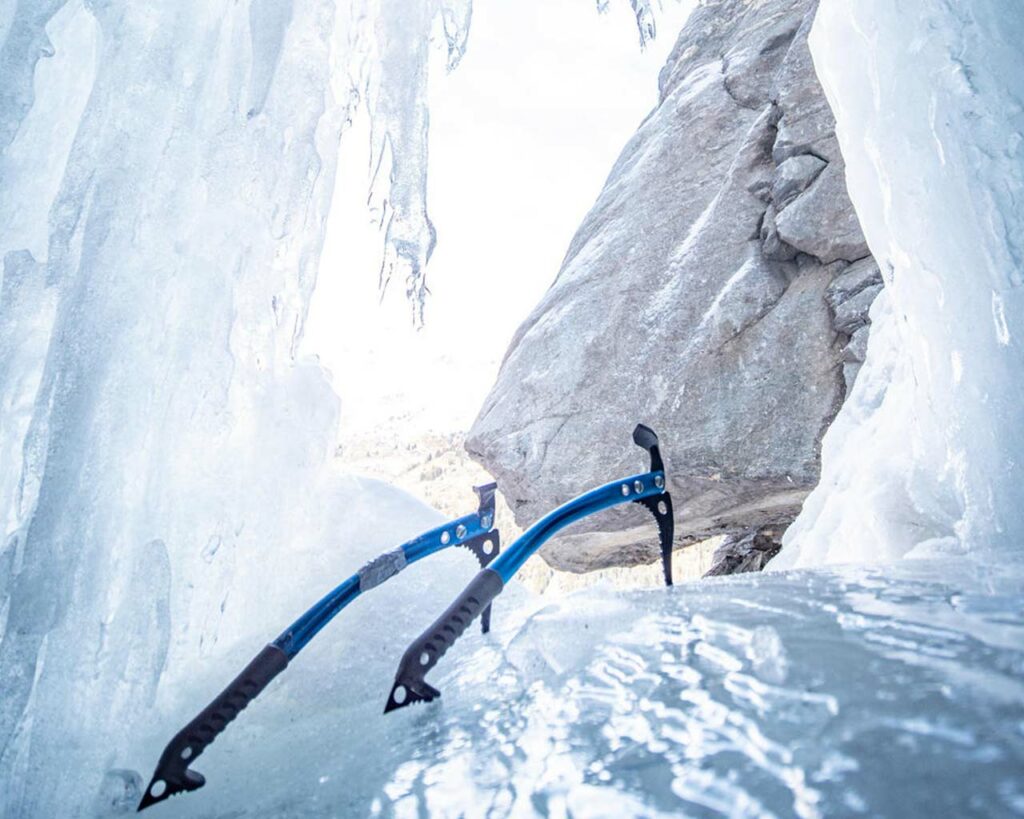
(172, 774)
(425, 651)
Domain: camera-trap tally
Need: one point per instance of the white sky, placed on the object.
(522, 137)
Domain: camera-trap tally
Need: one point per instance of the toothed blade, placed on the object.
(163, 785)
(661, 507)
(410, 692)
(486, 547)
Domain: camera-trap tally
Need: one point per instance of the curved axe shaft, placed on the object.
(475, 532)
(647, 489)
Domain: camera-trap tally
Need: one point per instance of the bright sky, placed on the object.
(522, 137)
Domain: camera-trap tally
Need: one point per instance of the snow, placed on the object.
(927, 453)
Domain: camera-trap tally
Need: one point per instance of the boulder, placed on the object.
(793, 177)
(692, 299)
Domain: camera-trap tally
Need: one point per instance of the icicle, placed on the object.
(456, 15)
(644, 21)
(397, 101)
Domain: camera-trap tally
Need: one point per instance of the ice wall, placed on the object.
(165, 173)
(927, 454)
(165, 484)
(164, 194)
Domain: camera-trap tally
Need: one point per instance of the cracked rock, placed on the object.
(745, 552)
(858, 276)
(857, 347)
(850, 296)
(853, 355)
(821, 221)
(772, 247)
(852, 314)
(682, 303)
(794, 176)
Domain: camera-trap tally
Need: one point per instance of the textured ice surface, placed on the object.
(165, 174)
(927, 453)
(892, 692)
(162, 207)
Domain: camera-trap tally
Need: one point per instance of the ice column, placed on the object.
(927, 453)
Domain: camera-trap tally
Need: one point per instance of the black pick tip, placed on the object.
(403, 694)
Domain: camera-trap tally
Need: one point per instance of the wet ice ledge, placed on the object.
(854, 690)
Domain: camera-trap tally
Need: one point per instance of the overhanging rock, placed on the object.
(682, 304)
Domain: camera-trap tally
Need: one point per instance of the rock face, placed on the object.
(744, 553)
(717, 291)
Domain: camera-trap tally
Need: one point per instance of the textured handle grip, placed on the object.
(172, 774)
(213, 719)
(424, 652)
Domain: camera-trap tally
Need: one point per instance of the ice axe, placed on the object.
(475, 532)
(648, 490)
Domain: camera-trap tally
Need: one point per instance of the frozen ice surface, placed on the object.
(891, 691)
(927, 453)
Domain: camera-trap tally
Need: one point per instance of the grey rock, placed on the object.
(853, 279)
(772, 247)
(794, 176)
(850, 371)
(808, 127)
(853, 355)
(680, 304)
(821, 221)
(852, 314)
(745, 552)
(857, 348)
(850, 296)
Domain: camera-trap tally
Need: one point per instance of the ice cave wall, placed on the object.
(165, 174)
(165, 180)
(927, 455)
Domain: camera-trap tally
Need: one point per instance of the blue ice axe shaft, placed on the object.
(475, 532)
(647, 489)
